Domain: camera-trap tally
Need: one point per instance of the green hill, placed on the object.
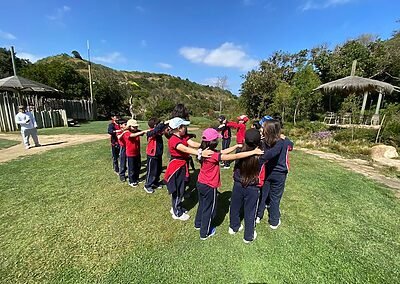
(157, 94)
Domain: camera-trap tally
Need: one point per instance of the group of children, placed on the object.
(259, 174)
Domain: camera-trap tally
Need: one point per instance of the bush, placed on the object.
(362, 134)
(202, 122)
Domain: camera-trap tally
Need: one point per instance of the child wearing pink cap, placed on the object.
(209, 180)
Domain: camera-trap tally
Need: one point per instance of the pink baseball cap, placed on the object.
(210, 134)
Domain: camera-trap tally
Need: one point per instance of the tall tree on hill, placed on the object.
(76, 54)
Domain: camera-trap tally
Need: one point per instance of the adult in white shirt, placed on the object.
(28, 125)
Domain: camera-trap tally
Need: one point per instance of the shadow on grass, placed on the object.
(223, 203)
(52, 144)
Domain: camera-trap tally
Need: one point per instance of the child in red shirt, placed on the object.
(209, 180)
(131, 137)
(240, 126)
(180, 148)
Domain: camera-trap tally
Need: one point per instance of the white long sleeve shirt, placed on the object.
(26, 120)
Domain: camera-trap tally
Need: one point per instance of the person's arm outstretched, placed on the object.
(241, 155)
(231, 149)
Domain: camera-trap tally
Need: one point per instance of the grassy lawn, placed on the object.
(65, 217)
(5, 143)
(92, 127)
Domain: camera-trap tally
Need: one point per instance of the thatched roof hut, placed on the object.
(355, 84)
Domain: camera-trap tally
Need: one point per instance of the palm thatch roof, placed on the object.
(357, 85)
(18, 83)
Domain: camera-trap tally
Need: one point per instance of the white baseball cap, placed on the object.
(177, 122)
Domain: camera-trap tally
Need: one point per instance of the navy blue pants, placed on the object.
(115, 155)
(276, 185)
(133, 169)
(190, 163)
(154, 169)
(225, 144)
(122, 162)
(176, 187)
(207, 208)
(263, 199)
(246, 197)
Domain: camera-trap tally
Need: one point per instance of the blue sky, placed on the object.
(199, 40)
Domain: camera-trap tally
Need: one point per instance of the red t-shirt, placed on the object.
(241, 131)
(209, 171)
(173, 142)
(121, 141)
(132, 145)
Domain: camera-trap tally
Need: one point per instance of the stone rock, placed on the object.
(383, 151)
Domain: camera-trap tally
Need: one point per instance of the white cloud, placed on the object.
(227, 55)
(322, 4)
(7, 36)
(143, 43)
(31, 57)
(164, 65)
(113, 57)
(59, 13)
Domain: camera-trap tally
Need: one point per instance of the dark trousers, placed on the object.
(115, 155)
(276, 184)
(263, 199)
(225, 144)
(133, 169)
(190, 163)
(207, 208)
(176, 187)
(248, 198)
(122, 162)
(154, 169)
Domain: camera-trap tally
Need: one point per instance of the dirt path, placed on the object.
(48, 142)
(359, 166)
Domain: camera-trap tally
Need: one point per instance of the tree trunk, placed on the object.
(295, 112)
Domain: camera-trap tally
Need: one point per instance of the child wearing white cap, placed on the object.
(177, 173)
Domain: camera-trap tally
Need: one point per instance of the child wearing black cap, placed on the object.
(246, 188)
(226, 134)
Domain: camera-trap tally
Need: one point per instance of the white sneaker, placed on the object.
(232, 232)
(258, 220)
(148, 190)
(27, 147)
(172, 211)
(133, 184)
(183, 217)
(227, 168)
(275, 227)
(254, 238)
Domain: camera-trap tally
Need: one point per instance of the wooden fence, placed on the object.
(49, 112)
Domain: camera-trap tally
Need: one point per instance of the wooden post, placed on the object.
(378, 105)
(363, 106)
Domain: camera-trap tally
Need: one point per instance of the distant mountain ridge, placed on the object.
(157, 91)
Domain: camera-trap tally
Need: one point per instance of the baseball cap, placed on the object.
(264, 119)
(210, 134)
(132, 122)
(177, 122)
(243, 117)
(252, 137)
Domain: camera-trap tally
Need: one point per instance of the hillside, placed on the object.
(157, 94)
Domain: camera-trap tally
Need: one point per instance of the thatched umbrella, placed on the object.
(18, 83)
(355, 84)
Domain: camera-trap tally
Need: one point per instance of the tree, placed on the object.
(59, 75)
(76, 54)
(282, 100)
(6, 68)
(306, 102)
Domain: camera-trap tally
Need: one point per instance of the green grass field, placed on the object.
(65, 217)
(5, 143)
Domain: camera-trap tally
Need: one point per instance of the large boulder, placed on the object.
(383, 151)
